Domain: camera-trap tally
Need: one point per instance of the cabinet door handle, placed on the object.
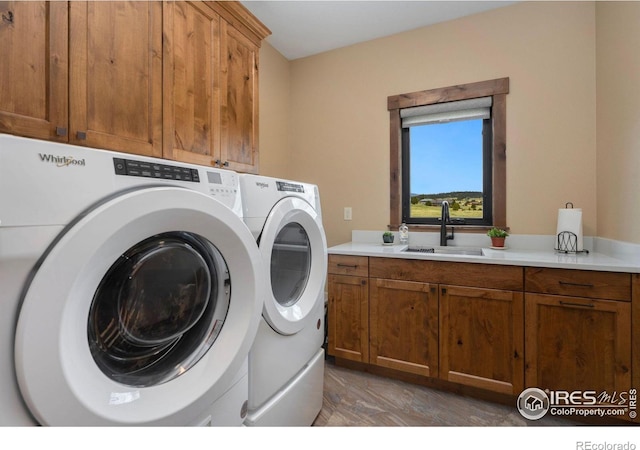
(589, 305)
(61, 131)
(225, 164)
(82, 135)
(566, 283)
(350, 266)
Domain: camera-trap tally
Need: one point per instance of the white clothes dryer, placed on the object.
(286, 361)
(129, 289)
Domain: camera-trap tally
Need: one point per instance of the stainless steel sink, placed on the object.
(467, 251)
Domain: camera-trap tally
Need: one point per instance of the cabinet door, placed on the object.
(577, 344)
(348, 317)
(191, 83)
(116, 76)
(239, 109)
(481, 340)
(404, 326)
(34, 69)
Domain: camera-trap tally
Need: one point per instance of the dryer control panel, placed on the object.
(289, 187)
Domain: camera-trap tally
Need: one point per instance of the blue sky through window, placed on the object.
(446, 157)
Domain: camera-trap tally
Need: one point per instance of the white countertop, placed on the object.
(508, 256)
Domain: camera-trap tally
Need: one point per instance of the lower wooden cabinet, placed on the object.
(481, 338)
(557, 329)
(348, 322)
(403, 326)
(575, 343)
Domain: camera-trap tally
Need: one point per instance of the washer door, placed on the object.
(140, 313)
(294, 249)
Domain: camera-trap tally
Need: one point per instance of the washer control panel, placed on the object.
(145, 169)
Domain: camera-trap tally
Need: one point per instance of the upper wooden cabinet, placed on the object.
(115, 83)
(177, 80)
(191, 82)
(211, 53)
(239, 108)
(34, 79)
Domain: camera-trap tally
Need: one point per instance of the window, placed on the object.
(449, 144)
(446, 156)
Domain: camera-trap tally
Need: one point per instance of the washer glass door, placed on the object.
(158, 309)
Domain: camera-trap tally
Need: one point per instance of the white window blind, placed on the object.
(474, 108)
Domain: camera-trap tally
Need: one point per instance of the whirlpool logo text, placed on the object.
(62, 161)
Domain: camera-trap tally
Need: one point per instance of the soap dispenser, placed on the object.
(404, 233)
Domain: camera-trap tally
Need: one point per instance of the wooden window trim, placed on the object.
(498, 89)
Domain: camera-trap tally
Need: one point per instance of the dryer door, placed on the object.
(140, 313)
(294, 250)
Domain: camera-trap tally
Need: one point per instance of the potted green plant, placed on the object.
(387, 237)
(497, 236)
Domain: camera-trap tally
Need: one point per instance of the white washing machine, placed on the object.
(286, 361)
(129, 289)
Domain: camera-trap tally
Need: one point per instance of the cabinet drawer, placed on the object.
(579, 283)
(443, 272)
(349, 265)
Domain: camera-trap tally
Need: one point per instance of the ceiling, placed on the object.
(304, 27)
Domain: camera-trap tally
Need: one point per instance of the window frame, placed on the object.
(498, 89)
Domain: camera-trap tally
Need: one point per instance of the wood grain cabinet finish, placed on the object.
(578, 329)
(115, 85)
(34, 79)
(497, 328)
(421, 323)
(177, 80)
(481, 338)
(239, 101)
(211, 85)
(348, 309)
(575, 343)
(403, 326)
(579, 283)
(444, 272)
(349, 265)
(191, 62)
(87, 73)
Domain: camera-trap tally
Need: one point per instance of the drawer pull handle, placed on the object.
(590, 305)
(351, 266)
(566, 283)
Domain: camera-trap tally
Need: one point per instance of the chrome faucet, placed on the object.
(444, 220)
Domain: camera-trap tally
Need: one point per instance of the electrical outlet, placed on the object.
(348, 213)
